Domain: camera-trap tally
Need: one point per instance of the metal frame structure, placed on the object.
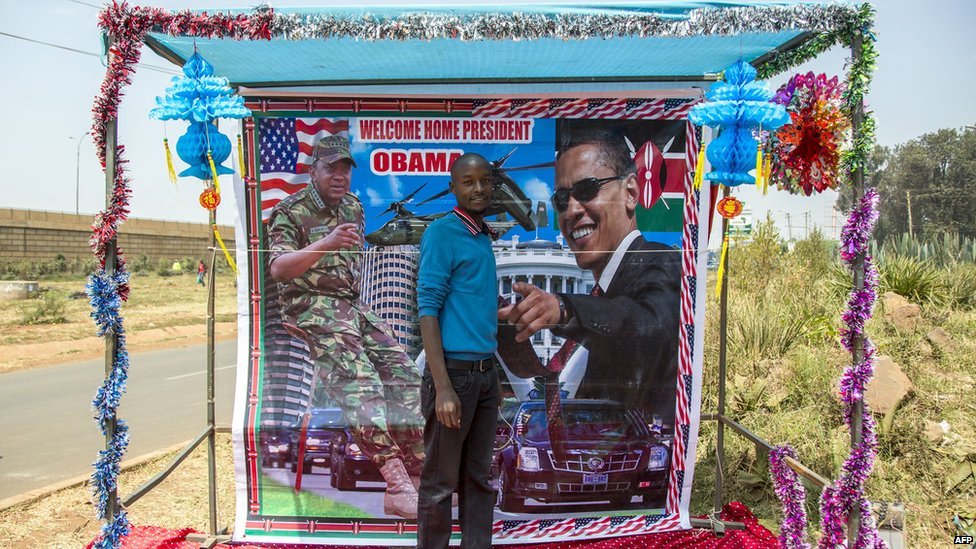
(213, 537)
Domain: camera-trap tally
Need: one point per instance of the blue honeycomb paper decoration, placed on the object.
(199, 97)
(737, 106)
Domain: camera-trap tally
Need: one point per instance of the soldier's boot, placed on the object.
(401, 497)
(415, 480)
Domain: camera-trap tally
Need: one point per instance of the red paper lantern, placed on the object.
(210, 199)
(729, 207)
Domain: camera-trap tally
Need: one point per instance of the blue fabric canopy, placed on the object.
(650, 41)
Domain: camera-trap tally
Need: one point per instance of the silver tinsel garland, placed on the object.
(534, 26)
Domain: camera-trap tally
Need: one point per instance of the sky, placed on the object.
(924, 69)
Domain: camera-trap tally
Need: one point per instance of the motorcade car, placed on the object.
(323, 424)
(349, 465)
(275, 446)
(610, 454)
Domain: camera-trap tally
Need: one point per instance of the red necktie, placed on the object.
(554, 407)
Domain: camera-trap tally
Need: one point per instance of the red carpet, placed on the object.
(753, 537)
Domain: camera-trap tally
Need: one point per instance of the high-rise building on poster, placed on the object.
(389, 287)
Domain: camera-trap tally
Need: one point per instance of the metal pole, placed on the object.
(211, 416)
(111, 260)
(78, 172)
(723, 342)
(857, 190)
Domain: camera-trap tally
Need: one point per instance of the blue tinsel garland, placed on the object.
(106, 299)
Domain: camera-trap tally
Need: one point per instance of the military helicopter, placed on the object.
(406, 227)
(507, 198)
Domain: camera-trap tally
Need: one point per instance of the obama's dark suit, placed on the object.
(631, 332)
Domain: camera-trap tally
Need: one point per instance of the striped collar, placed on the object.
(473, 227)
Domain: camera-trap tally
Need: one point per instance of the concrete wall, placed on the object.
(36, 235)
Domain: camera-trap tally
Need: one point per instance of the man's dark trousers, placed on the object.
(459, 457)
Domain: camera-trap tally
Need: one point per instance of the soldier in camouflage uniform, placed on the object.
(315, 257)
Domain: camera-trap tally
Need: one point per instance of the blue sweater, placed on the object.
(457, 284)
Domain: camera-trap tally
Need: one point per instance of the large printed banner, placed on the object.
(330, 355)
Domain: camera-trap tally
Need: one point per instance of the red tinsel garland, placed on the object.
(127, 27)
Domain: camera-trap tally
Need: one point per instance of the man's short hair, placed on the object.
(614, 152)
(468, 157)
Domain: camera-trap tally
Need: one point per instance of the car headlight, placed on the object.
(282, 447)
(658, 458)
(528, 459)
(354, 449)
(314, 441)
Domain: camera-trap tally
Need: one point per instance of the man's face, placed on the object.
(471, 184)
(594, 229)
(331, 180)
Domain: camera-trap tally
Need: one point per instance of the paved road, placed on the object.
(46, 429)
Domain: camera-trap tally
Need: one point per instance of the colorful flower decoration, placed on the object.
(737, 106)
(806, 153)
(199, 97)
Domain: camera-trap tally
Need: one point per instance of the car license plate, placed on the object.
(595, 478)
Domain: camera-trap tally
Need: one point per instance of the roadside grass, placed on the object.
(783, 364)
(155, 302)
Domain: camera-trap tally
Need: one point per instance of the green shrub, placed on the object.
(944, 249)
(141, 264)
(163, 268)
(752, 264)
(50, 308)
(917, 280)
(815, 255)
(959, 286)
(759, 331)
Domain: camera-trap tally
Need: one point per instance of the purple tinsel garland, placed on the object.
(846, 494)
(791, 493)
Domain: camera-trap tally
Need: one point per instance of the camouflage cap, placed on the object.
(332, 149)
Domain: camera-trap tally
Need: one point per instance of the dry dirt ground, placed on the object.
(66, 519)
(161, 312)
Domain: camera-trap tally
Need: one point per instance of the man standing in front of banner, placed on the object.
(629, 324)
(315, 237)
(457, 298)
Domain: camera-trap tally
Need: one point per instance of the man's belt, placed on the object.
(482, 365)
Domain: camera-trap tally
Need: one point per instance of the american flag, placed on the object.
(530, 108)
(551, 528)
(676, 109)
(515, 528)
(643, 108)
(286, 152)
(606, 108)
(488, 108)
(568, 108)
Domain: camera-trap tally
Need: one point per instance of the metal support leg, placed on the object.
(723, 342)
(211, 415)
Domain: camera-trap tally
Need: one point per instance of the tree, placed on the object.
(926, 186)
